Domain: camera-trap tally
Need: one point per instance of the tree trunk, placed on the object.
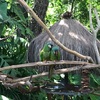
(40, 8)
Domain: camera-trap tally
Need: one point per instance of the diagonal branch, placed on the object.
(33, 14)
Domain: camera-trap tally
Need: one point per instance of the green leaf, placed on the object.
(18, 12)
(3, 10)
(94, 97)
(28, 31)
(96, 78)
(4, 98)
(6, 71)
(3, 15)
(1, 18)
(22, 28)
(3, 62)
(3, 7)
(13, 72)
(75, 78)
(1, 28)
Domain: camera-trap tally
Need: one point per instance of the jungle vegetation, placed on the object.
(18, 28)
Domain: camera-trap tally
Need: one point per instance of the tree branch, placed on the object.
(98, 21)
(49, 63)
(90, 17)
(72, 5)
(94, 93)
(59, 71)
(33, 14)
(94, 31)
(3, 39)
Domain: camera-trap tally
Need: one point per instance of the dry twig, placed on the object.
(59, 71)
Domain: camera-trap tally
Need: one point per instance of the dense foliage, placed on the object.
(15, 34)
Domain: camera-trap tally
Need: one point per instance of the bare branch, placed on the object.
(97, 17)
(9, 81)
(94, 31)
(98, 21)
(3, 39)
(72, 5)
(62, 62)
(33, 14)
(59, 71)
(90, 17)
(94, 93)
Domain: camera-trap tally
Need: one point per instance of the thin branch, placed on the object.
(59, 71)
(19, 85)
(98, 21)
(3, 39)
(90, 17)
(62, 62)
(72, 5)
(33, 14)
(97, 18)
(95, 93)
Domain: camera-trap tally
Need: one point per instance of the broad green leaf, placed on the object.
(3, 7)
(1, 18)
(22, 28)
(28, 31)
(3, 15)
(3, 62)
(18, 12)
(3, 10)
(94, 97)
(4, 98)
(96, 78)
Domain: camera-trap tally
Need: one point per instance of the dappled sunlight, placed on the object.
(60, 34)
(73, 35)
(84, 40)
(78, 37)
(49, 39)
(62, 22)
